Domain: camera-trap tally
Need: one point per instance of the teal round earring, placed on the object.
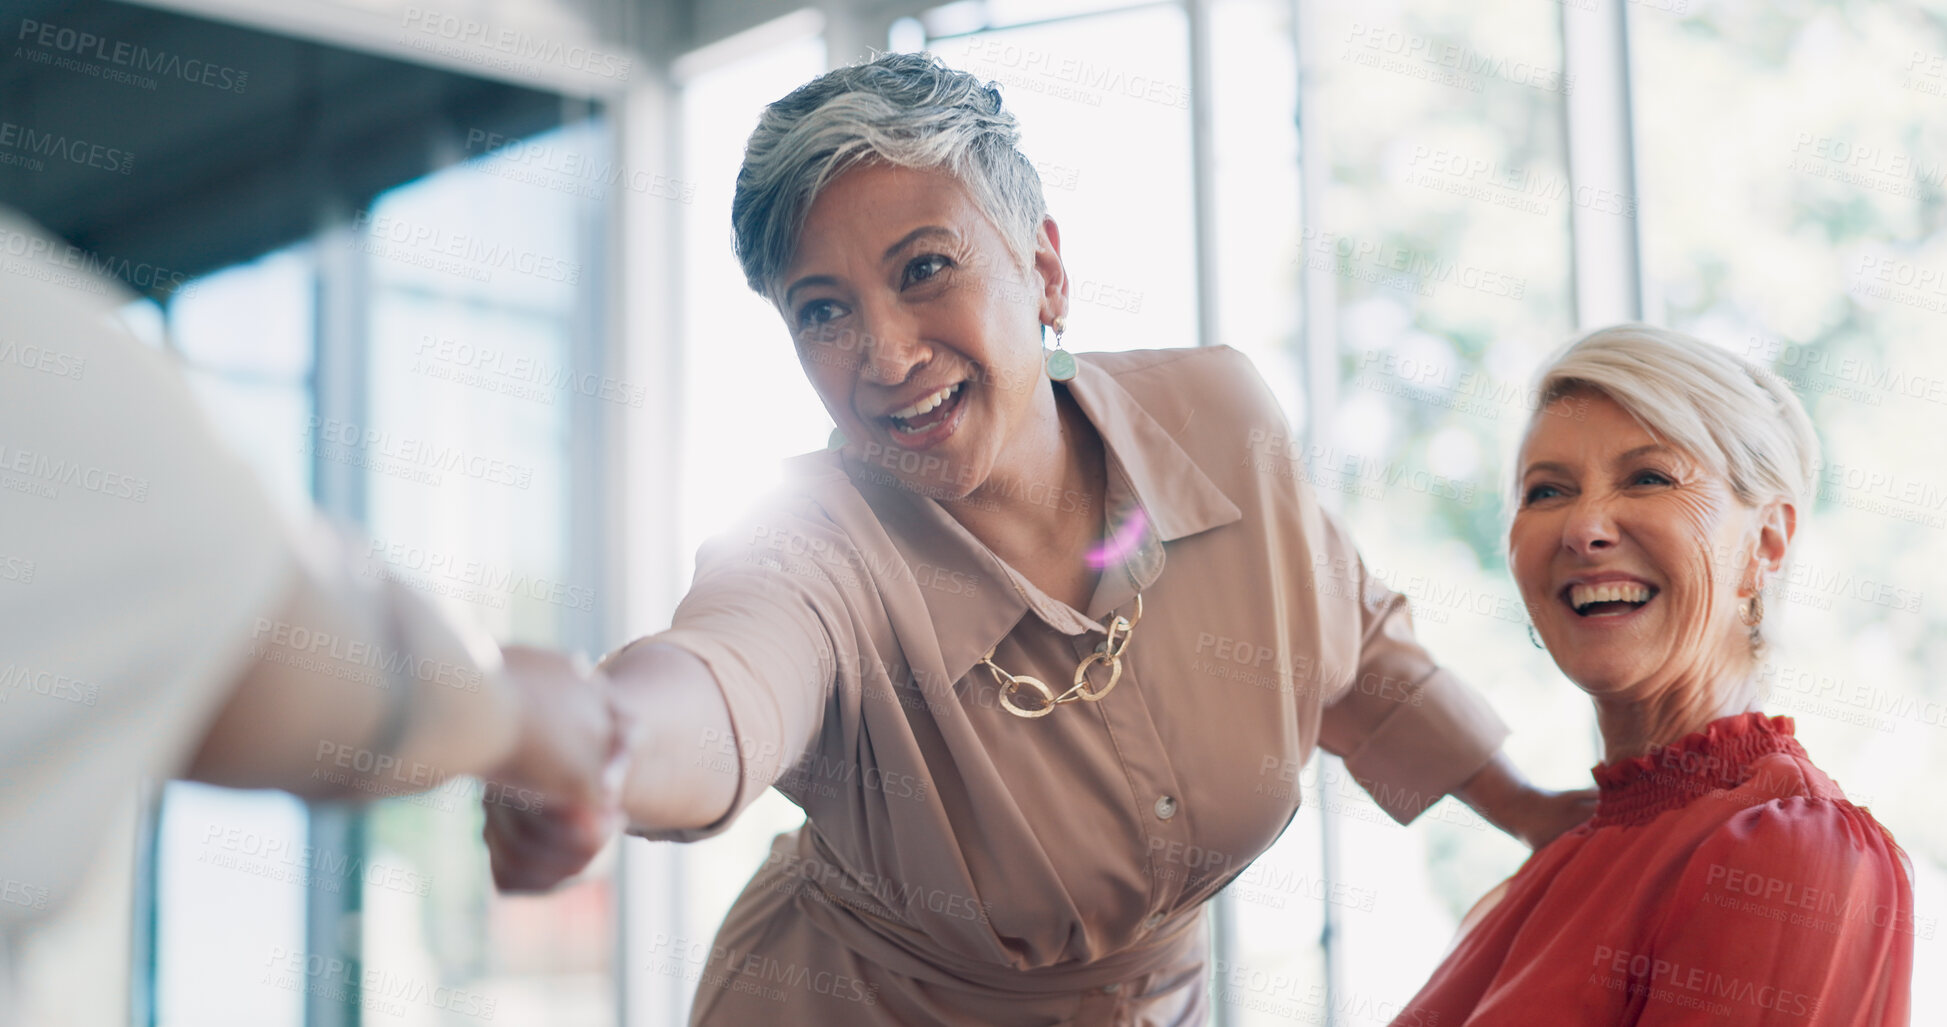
(1058, 362)
(837, 440)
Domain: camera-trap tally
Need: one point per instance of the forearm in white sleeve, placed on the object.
(356, 687)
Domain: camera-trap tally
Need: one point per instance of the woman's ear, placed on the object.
(1777, 523)
(1054, 275)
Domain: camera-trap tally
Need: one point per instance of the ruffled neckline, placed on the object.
(1639, 789)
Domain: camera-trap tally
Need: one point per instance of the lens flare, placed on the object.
(1121, 542)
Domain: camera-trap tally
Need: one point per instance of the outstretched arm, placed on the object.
(710, 712)
(334, 670)
(356, 689)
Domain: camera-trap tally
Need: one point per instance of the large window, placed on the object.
(478, 276)
(417, 369)
(1796, 218)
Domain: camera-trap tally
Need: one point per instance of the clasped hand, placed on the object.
(556, 799)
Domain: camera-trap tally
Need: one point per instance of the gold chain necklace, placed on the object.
(1107, 654)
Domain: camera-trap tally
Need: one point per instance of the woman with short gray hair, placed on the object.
(1042, 645)
(1723, 879)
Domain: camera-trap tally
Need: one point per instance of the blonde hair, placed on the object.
(1738, 417)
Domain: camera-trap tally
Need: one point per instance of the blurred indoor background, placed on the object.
(372, 229)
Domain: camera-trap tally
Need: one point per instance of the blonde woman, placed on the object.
(1724, 879)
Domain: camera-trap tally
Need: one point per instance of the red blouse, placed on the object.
(1723, 880)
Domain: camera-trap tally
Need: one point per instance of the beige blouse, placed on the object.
(962, 865)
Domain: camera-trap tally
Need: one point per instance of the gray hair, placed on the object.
(1737, 417)
(907, 110)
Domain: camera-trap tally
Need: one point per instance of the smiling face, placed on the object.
(1634, 558)
(920, 333)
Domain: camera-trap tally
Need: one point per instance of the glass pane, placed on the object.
(1104, 105)
(233, 868)
(470, 236)
(1254, 130)
(1002, 13)
(253, 319)
(1797, 218)
(247, 336)
(737, 353)
(232, 871)
(475, 284)
(1445, 237)
(468, 463)
(144, 318)
(1275, 971)
(266, 424)
(737, 358)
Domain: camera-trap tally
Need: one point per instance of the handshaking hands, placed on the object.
(571, 752)
(605, 748)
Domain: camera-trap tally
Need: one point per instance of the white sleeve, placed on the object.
(136, 553)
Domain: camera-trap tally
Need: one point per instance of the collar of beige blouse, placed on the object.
(1156, 494)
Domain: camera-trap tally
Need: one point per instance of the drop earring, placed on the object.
(1753, 615)
(1058, 362)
